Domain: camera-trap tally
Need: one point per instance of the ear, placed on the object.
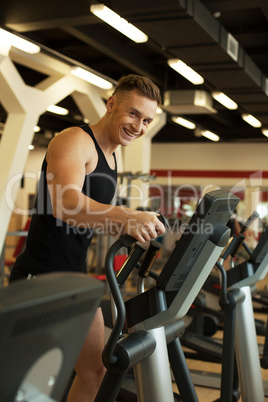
(110, 103)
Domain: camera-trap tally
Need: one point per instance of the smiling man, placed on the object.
(77, 185)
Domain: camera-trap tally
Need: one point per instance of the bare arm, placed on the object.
(70, 156)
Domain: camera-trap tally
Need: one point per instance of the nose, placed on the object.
(138, 127)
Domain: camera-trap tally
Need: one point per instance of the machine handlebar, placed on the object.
(124, 241)
(250, 220)
(237, 240)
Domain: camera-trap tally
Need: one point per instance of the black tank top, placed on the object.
(54, 245)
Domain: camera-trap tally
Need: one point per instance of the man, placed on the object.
(77, 184)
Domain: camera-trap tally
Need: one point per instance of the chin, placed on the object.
(127, 141)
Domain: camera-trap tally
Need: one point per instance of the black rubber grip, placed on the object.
(163, 219)
(129, 264)
(250, 220)
(149, 258)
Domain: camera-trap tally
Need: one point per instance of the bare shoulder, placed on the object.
(72, 142)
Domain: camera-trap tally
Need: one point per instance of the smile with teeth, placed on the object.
(129, 133)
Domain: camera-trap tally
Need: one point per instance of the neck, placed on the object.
(101, 133)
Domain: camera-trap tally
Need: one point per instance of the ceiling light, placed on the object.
(186, 71)
(251, 120)
(58, 110)
(216, 14)
(224, 100)
(209, 135)
(20, 43)
(183, 122)
(30, 147)
(119, 23)
(92, 78)
(265, 132)
(36, 129)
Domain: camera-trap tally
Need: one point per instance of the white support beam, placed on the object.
(16, 137)
(40, 62)
(90, 104)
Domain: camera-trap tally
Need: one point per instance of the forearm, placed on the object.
(78, 210)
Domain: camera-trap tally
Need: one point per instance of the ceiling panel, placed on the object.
(196, 31)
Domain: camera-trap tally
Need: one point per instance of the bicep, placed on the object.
(63, 171)
(66, 160)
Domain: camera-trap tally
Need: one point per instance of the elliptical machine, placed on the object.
(153, 317)
(240, 339)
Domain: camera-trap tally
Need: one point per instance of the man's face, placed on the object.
(130, 116)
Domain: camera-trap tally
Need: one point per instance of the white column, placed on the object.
(16, 137)
(92, 107)
(252, 197)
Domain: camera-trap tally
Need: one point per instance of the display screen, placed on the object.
(215, 208)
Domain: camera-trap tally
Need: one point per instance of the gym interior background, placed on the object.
(225, 42)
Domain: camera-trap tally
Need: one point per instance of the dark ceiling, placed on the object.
(196, 31)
